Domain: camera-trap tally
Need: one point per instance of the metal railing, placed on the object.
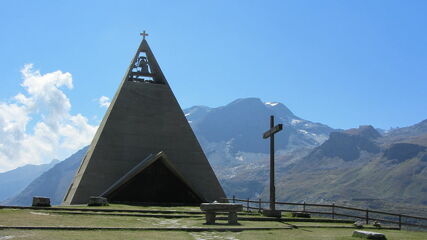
(335, 211)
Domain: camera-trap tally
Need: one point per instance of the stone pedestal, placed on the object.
(272, 213)
(97, 201)
(41, 202)
(210, 217)
(232, 218)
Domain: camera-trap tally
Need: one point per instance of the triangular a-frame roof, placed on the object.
(155, 166)
(144, 117)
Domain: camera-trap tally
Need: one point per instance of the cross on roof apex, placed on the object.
(143, 34)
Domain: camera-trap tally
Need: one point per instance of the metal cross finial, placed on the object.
(143, 34)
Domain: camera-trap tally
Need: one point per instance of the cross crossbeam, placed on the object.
(143, 34)
(273, 131)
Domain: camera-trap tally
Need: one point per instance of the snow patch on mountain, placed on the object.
(296, 121)
(271, 103)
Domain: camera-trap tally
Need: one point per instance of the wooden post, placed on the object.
(259, 205)
(303, 206)
(272, 187)
(367, 216)
(400, 221)
(234, 199)
(247, 206)
(333, 210)
(270, 134)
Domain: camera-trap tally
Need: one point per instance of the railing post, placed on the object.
(259, 205)
(333, 210)
(247, 206)
(234, 199)
(400, 221)
(303, 206)
(367, 216)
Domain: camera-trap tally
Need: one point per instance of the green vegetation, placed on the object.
(294, 234)
(49, 218)
(136, 207)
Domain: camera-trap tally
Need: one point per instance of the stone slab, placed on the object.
(41, 202)
(272, 213)
(369, 235)
(301, 214)
(221, 207)
(97, 201)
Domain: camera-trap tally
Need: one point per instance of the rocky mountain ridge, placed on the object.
(359, 166)
(315, 163)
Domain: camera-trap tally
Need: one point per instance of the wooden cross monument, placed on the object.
(270, 134)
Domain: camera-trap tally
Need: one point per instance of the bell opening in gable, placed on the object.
(142, 71)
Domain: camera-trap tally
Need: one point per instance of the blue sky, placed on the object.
(342, 63)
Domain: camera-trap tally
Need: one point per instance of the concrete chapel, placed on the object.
(145, 150)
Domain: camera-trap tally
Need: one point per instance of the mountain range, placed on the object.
(315, 163)
(14, 181)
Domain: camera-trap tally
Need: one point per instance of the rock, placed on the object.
(301, 214)
(369, 235)
(377, 224)
(358, 224)
(97, 201)
(272, 213)
(41, 202)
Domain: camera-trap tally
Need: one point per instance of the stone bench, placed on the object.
(369, 235)
(41, 202)
(211, 209)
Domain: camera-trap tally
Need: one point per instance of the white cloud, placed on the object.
(37, 125)
(104, 101)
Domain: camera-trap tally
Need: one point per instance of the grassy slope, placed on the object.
(295, 234)
(10, 217)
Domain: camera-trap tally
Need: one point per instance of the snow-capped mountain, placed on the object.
(242, 122)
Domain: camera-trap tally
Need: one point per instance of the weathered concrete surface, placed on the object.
(41, 202)
(369, 235)
(97, 201)
(143, 119)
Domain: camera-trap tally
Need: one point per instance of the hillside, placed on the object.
(354, 165)
(14, 181)
(53, 183)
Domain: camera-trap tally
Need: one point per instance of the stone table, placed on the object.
(97, 201)
(211, 209)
